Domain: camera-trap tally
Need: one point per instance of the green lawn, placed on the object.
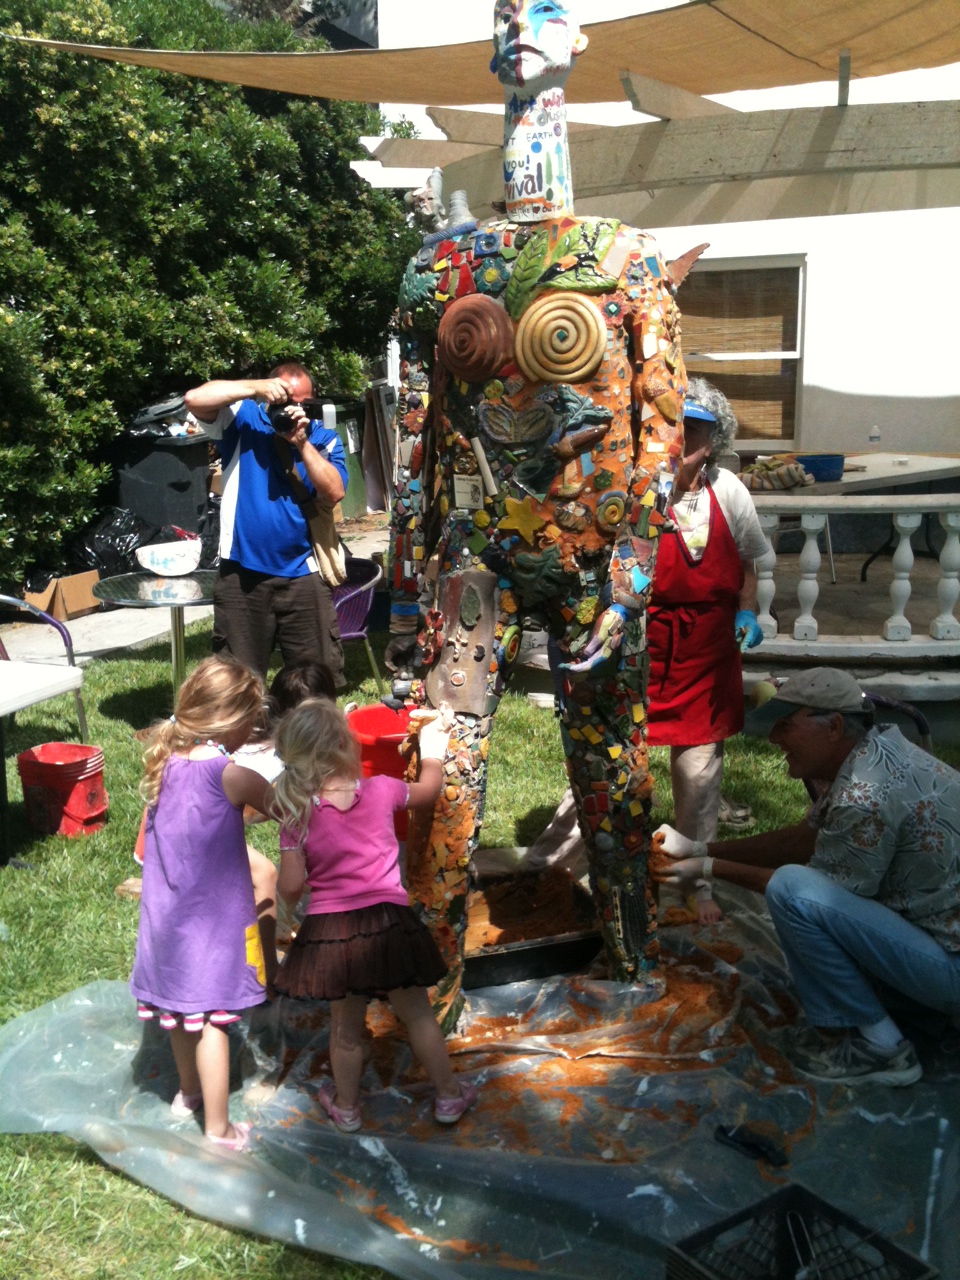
(64, 1214)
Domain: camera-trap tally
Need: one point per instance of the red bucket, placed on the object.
(63, 791)
(380, 730)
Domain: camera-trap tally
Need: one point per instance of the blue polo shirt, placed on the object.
(261, 525)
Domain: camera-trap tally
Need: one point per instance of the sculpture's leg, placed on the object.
(469, 672)
(604, 740)
(440, 847)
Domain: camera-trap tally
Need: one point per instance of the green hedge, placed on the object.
(156, 231)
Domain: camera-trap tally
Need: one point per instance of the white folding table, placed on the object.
(22, 684)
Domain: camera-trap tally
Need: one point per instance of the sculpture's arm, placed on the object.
(658, 384)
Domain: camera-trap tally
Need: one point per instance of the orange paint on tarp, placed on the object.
(688, 1112)
(769, 1174)
(464, 1248)
(728, 952)
(359, 1192)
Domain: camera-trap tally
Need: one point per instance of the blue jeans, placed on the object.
(835, 942)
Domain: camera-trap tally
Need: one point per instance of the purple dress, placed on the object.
(198, 948)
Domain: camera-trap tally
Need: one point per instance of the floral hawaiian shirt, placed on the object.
(889, 829)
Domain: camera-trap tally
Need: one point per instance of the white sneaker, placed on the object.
(854, 1060)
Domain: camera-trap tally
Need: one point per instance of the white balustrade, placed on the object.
(945, 625)
(907, 512)
(766, 587)
(805, 627)
(897, 626)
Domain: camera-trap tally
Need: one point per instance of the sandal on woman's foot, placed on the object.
(449, 1110)
(732, 813)
(347, 1119)
(186, 1104)
(240, 1140)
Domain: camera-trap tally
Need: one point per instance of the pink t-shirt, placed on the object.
(352, 855)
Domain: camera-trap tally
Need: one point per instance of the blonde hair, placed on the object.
(220, 699)
(315, 744)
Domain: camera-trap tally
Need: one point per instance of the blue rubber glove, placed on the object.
(747, 629)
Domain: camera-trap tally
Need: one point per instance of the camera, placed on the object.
(280, 418)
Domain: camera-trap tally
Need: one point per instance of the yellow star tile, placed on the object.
(522, 517)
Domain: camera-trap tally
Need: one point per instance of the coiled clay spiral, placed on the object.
(475, 338)
(561, 337)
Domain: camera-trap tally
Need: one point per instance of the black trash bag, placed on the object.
(210, 534)
(173, 533)
(156, 419)
(37, 580)
(110, 543)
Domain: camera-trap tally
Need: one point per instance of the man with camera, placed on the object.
(279, 462)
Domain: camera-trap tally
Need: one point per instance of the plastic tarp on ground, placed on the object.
(592, 1146)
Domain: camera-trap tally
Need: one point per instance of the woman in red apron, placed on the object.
(702, 611)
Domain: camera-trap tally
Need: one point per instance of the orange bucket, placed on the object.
(380, 730)
(63, 791)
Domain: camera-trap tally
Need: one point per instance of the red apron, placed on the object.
(696, 683)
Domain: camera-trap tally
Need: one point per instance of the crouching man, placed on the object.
(865, 891)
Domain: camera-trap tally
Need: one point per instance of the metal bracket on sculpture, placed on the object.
(467, 602)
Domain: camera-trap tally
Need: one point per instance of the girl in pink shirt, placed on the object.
(360, 939)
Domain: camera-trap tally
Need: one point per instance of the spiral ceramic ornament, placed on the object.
(475, 339)
(561, 337)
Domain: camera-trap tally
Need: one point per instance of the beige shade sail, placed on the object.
(707, 46)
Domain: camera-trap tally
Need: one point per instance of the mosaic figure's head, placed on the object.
(534, 42)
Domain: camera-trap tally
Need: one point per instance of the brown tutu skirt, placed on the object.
(366, 952)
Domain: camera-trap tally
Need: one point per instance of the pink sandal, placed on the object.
(240, 1140)
(186, 1104)
(347, 1119)
(449, 1110)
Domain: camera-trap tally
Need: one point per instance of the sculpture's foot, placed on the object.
(448, 1000)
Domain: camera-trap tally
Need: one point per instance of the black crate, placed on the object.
(792, 1233)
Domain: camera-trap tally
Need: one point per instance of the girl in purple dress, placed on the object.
(360, 939)
(199, 961)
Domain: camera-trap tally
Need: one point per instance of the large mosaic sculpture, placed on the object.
(542, 384)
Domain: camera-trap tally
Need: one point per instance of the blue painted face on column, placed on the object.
(533, 40)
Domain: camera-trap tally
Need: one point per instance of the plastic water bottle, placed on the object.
(873, 439)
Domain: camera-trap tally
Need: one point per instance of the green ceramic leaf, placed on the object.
(575, 260)
(470, 607)
(416, 287)
(526, 272)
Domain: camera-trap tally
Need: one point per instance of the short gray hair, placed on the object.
(855, 725)
(723, 432)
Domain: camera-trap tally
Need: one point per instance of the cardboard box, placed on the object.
(66, 598)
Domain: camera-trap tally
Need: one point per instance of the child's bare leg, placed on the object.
(213, 1066)
(264, 875)
(185, 1055)
(348, 1018)
(412, 1006)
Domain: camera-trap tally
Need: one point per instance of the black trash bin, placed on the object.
(165, 480)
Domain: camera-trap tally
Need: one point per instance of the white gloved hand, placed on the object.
(686, 874)
(433, 735)
(675, 845)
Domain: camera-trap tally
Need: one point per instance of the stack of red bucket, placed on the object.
(380, 731)
(63, 791)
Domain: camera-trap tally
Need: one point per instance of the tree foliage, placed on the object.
(156, 231)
